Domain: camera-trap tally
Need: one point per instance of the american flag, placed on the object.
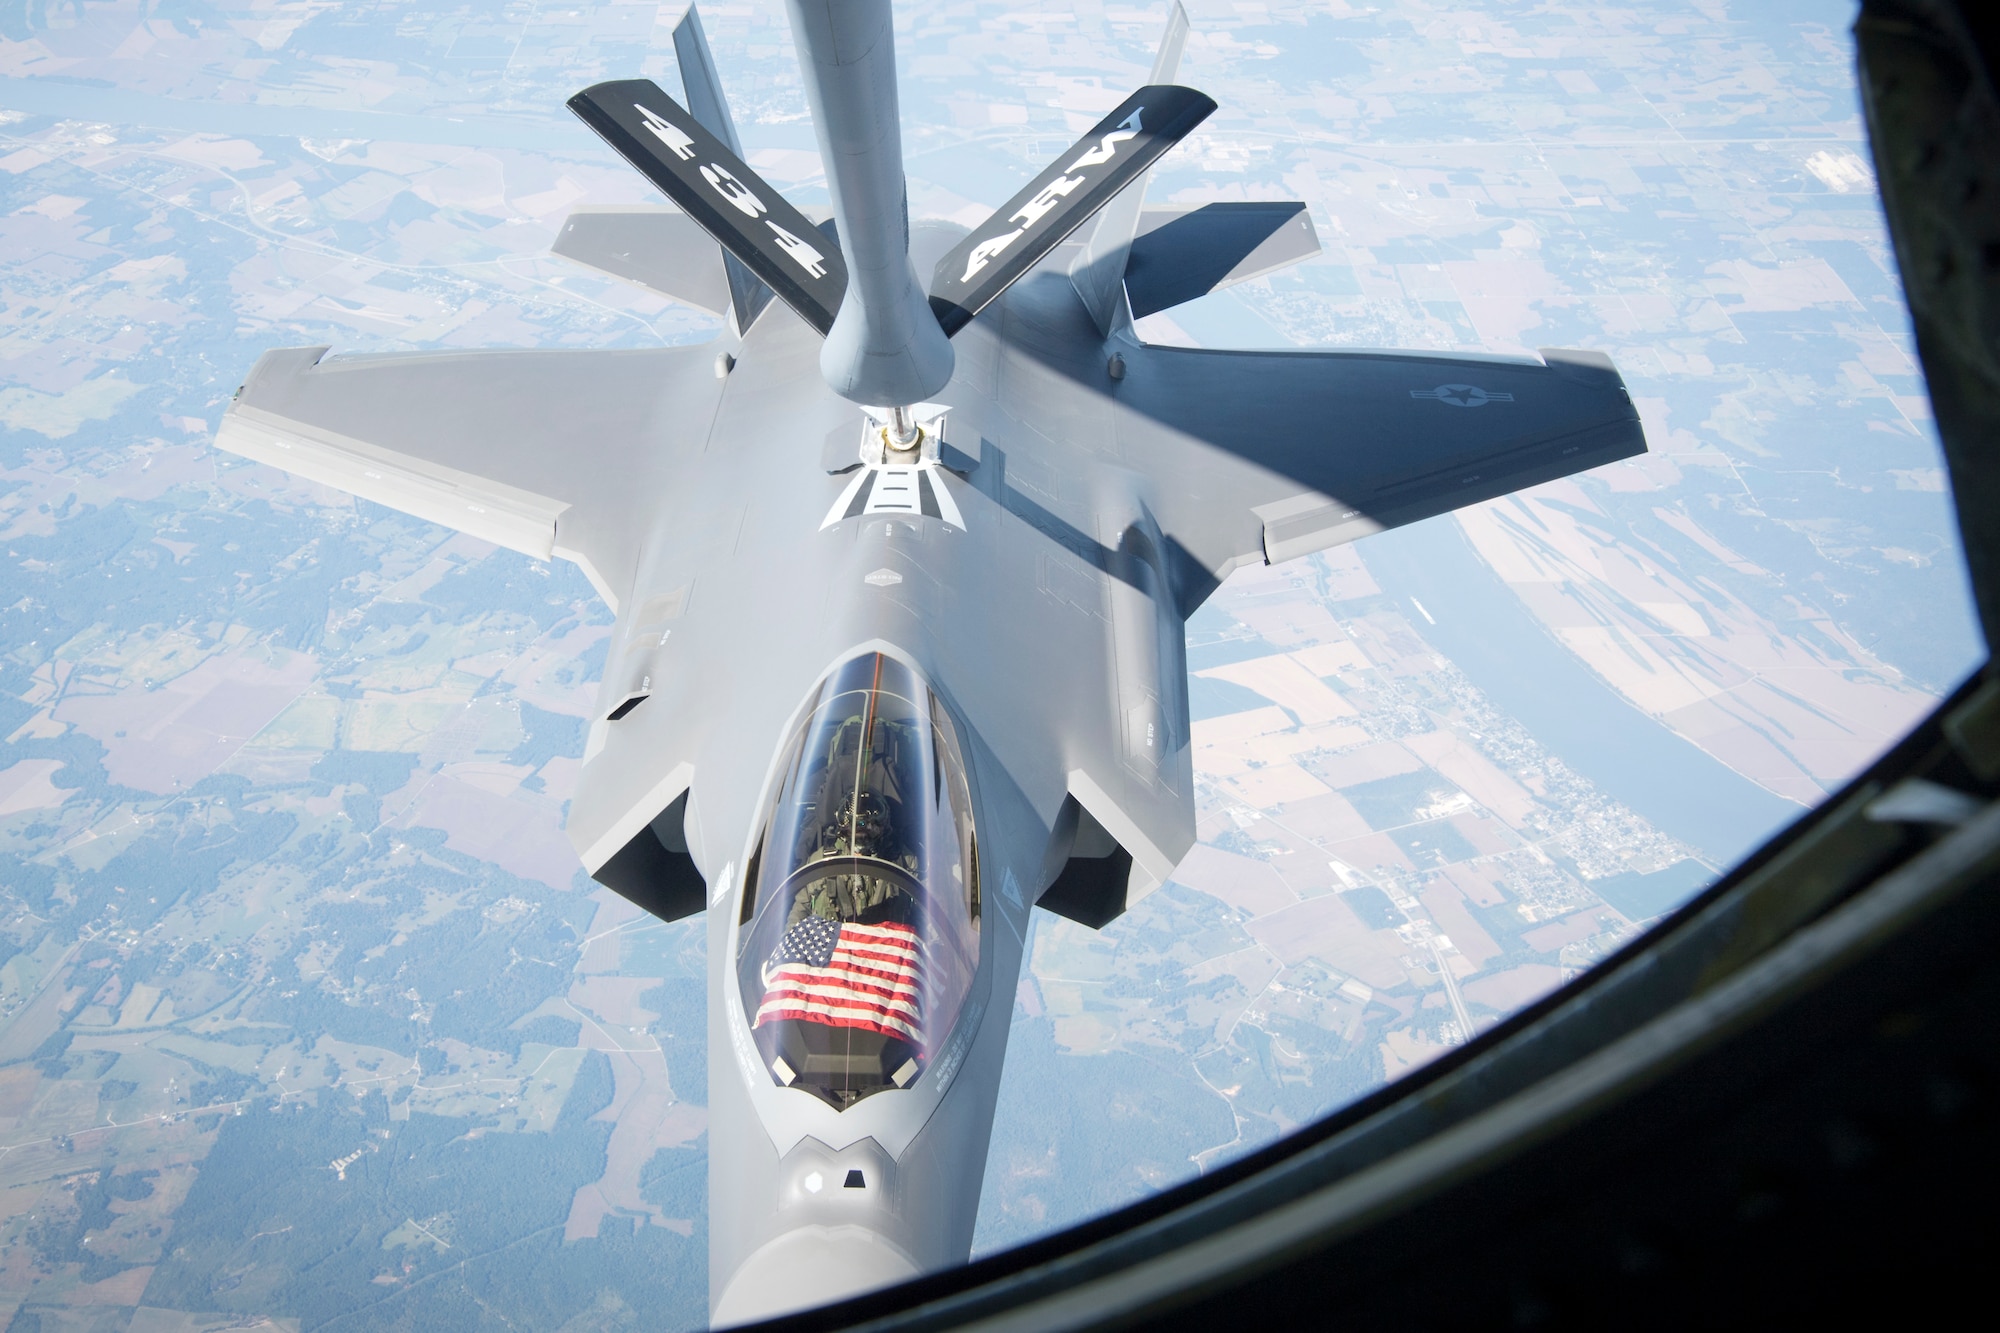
(844, 975)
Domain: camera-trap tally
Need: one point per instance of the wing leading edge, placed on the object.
(550, 453)
(1265, 456)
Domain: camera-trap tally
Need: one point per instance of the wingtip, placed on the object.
(1579, 363)
(951, 316)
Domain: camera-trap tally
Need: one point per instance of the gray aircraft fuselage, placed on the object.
(1037, 651)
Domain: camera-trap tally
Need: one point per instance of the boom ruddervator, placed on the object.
(860, 921)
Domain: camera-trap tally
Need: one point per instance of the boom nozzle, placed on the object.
(902, 433)
(885, 345)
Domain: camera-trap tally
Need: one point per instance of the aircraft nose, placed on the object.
(810, 1266)
(829, 1185)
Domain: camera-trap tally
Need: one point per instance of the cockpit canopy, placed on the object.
(860, 925)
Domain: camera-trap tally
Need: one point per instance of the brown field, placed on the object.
(169, 737)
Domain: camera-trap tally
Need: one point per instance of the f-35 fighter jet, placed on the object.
(901, 571)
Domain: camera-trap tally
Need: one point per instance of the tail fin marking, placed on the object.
(693, 167)
(1095, 170)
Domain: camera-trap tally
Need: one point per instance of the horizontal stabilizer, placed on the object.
(1065, 196)
(712, 185)
(1188, 251)
(661, 249)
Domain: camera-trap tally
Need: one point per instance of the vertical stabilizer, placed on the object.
(1167, 63)
(1093, 174)
(1098, 274)
(702, 84)
(747, 293)
(885, 347)
(720, 192)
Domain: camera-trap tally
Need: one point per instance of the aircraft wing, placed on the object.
(1271, 455)
(550, 453)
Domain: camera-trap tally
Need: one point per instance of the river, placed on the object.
(1476, 620)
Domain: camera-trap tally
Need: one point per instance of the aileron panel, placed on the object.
(507, 516)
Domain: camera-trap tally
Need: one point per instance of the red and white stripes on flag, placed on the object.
(845, 975)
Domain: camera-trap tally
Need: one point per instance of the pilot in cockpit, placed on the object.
(859, 821)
